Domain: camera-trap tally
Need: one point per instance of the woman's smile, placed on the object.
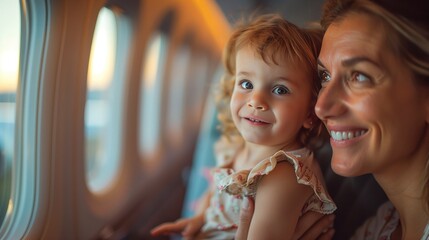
(346, 135)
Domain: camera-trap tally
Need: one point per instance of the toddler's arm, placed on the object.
(278, 204)
(187, 227)
(310, 226)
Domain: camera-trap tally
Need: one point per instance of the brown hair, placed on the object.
(408, 37)
(272, 38)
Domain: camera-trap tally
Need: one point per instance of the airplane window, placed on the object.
(150, 93)
(176, 95)
(10, 28)
(102, 126)
(198, 90)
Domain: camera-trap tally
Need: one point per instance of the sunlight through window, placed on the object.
(101, 129)
(10, 37)
(150, 94)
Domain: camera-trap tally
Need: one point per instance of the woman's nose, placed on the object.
(330, 101)
(258, 102)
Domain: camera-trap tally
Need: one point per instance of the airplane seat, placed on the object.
(357, 198)
(203, 160)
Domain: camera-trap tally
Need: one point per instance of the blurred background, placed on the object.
(299, 12)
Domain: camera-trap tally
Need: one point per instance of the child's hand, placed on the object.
(187, 227)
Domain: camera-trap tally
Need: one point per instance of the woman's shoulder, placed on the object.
(380, 226)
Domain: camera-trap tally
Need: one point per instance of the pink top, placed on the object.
(223, 213)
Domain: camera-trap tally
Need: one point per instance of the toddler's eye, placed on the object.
(246, 84)
(280, 90)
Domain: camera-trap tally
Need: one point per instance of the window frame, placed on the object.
(27, 191)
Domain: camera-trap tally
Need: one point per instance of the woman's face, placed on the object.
(372, 107)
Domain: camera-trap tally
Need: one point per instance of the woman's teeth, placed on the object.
(340, 135)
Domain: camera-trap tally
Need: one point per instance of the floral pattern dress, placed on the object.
(382, 225)
(229, 186)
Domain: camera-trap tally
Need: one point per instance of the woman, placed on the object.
(374, 65)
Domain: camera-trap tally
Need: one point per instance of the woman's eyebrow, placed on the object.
(352, 61)
(320, 63)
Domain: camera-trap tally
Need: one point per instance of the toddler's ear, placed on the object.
(308, 123)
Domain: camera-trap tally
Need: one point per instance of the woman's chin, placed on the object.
(345, 168)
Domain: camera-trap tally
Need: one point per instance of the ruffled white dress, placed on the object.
(382, 225)
(222, 216)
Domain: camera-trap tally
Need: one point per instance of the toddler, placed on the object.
(266, 110)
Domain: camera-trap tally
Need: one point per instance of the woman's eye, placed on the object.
(360, 78)
(324, 76)
(245, 84)
(280, 90)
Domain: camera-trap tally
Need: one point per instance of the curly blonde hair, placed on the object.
(272, 38)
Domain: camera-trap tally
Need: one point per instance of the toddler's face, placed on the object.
(270, 103)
